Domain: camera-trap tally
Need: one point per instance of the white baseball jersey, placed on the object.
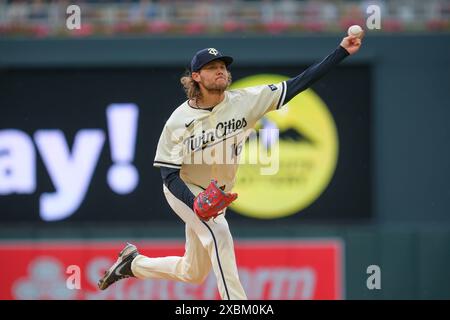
(205, 144)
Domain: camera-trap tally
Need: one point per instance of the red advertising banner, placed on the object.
(269, 270)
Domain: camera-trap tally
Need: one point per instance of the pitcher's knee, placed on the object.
(195, 278)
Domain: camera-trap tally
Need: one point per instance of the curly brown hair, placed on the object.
(192, 88)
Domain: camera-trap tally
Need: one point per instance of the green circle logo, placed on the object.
(308, 150)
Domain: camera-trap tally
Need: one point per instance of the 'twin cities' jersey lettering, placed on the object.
(206, 144)
(221, 131)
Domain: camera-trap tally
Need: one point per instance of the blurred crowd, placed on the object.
(40, 18)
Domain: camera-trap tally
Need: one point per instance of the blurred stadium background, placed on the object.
(364, 166)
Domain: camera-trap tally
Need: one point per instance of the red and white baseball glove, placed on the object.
(210, 202)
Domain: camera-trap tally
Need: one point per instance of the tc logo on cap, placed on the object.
(207, 55)
(213, 51)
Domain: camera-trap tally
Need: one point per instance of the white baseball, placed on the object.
(355, 30)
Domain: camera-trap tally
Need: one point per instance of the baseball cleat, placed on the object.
(121, 269)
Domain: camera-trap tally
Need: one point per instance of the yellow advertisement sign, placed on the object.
(308, 152)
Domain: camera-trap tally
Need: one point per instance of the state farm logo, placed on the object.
(70, 171)
(259, 284)
(269, 270)
(46, 280)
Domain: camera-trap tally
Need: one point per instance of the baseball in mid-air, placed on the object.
(355, 30)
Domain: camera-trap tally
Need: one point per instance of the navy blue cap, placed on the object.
(207, 55)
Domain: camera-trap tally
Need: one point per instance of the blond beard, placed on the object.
(216, 88)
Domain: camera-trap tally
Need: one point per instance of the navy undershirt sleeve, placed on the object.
(173, 182)
(313, 73)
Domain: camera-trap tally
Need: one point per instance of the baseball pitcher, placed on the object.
(198, 156)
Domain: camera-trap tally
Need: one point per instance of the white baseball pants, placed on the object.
(207, 244)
